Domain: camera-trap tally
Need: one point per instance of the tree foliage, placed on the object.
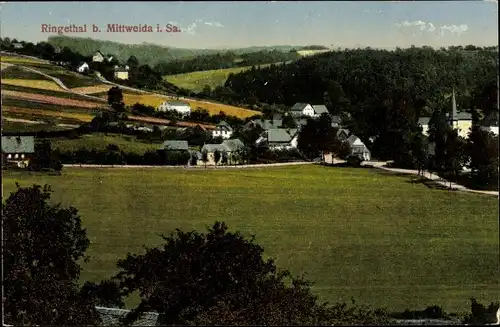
(42, 245)
(221, 278)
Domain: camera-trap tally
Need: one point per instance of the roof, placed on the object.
(120, 69)
(176, 103)
(233, 145)
(280, 135)
(82, 63)
(353, 138)
(320, 109)
(299, 106)
(224, 126)
(461, 116)
(98, 52)
(18, 144)
(343, 130)
(111, 317)
(424, 120)
(301, 122)
(17, 45)
(268, 123)
(214, 147)
(196, 154)
(175, 145)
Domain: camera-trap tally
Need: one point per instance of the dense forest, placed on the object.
(377, 89)
(225, 60)
(151, 54)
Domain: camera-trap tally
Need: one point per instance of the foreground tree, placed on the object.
(115, 99)
(220, 278)
(42, 246)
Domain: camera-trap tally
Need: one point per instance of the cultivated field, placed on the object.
(355, 232)
(96, 89)
(212, 108)
(195, 81)
(48, 99)
(35, 84)
(49, 113)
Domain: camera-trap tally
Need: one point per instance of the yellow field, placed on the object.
(41, 112)
(212, 108)
(92, 89)
(36, 84)
(20, 60)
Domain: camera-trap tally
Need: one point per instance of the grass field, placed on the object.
(355, 232)
(195, 81)
(99, 141)
(19, 73)
(212, 108)
(33, 84)
(19, 60)
(13, 126)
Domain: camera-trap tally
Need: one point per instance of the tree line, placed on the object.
(217, 277)
(225, 60)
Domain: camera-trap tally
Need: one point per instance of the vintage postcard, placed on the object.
(250, 163)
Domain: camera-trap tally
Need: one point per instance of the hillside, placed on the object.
(151, 54)
(196, 81)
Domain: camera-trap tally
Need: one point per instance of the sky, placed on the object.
(343, 24)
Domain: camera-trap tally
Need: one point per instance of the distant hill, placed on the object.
(148, 53)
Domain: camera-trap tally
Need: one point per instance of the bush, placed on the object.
(354, 161)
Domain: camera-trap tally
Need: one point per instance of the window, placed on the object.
(9, 156)
(16, 156)
(22, 156)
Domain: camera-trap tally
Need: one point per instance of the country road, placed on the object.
(192, 167)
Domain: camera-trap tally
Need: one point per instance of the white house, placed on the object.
(83, 67)
(223, 130)
(279, 138)
(358, 148)
(98, 57)
(302, 109)
(305, 109)
(179, 106)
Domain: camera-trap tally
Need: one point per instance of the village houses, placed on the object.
(305, 109)
(223, 130)
(18, 150)
(178, 106)
(83, 67)
(98, 57)
(121, 72)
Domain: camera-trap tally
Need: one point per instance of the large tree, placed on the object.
(43, 243)
(482, 148)
(115, 99)
(221, 278)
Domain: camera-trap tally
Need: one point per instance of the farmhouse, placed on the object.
(18, 45)
(279, 139)
(121, 72)
(98, 57)
(265, 124)
(83, 67)
(178, 106)
(358, 148)
(223, 130)
(18, 150)
(305, 109)
(336, 121)
(228, 150)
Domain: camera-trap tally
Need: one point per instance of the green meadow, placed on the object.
(195, 81)
(356, 233)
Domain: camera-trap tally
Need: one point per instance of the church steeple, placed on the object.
(453, 107)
